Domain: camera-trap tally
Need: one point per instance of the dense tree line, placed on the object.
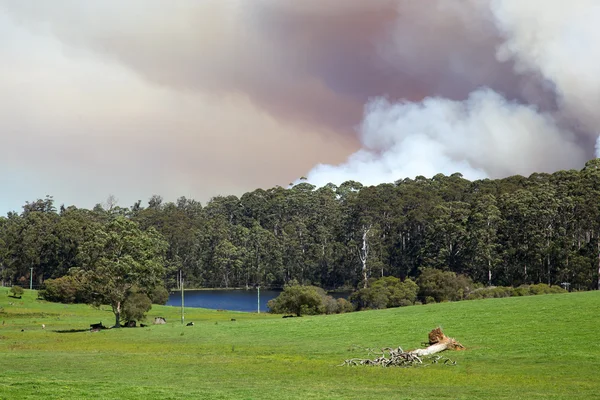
(544, 228)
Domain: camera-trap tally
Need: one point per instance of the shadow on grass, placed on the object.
(72, 330)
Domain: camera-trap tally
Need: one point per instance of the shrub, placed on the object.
(17, 291)
(159, 295)
(403, 293)
(136, 306)
(443, 285)
(369, 299)
(522, 290)
(478, 295)
(67, 289)
(344, 306)
(299, 300)
(405, 303)
(542, 288)
(330, 304)
(504, 291)
(385, 292)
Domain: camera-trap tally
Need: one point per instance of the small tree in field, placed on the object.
(17, 291)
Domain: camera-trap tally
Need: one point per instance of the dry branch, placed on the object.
(397, 357)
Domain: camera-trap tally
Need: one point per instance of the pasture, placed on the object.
(538, 347)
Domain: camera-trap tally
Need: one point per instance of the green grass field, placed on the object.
(538, 347)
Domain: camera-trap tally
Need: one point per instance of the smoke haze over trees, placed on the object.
(212, 97)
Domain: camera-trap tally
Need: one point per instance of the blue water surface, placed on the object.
(232, 300)
(229, 299)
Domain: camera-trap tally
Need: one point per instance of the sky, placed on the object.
(200, 98)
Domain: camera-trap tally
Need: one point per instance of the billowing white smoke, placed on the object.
(557, 39)
(598, 147)
(475, 137)
(486, 135)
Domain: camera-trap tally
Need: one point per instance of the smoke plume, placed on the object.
(210, 97)
(488, 134)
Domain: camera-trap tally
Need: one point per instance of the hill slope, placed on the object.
(528, 347)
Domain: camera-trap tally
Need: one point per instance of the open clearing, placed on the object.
(542, 347)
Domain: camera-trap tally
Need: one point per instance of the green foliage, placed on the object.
(159, 295)
(505, 232)
(440, 286)
(542, 288)
(299, 300)
(135, 306)
(66, 289)
(386, 292)
(118, 258)
(307, 300)
(523, 290)
(344, 306)
(16, 291)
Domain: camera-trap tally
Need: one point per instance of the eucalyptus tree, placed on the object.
(482, 237)
(118, 260)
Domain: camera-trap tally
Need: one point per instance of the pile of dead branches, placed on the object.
(390, 357)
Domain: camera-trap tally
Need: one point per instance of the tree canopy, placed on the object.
(544, 228)
(118, 260)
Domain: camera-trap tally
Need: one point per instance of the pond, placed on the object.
(225, 299)
(229, 299)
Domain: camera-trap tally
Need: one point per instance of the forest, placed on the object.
(544, 228)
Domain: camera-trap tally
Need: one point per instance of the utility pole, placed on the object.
(182, 307)
(258, 299)
(31, 279)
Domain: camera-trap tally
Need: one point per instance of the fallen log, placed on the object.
(438, 342)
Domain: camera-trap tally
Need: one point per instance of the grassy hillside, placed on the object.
(541, 347)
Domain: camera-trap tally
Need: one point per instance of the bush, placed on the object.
(443, 285)
(401, 293)
(405, 303)
(504, 291)
(299, 300)
(67, 289)
(478, 295)
(542, 288)
(386, 292)
(344, 306)
(159, 295)
(331, 305)
(369, 299)
(135, 306)
(17, 291)
(522, 290)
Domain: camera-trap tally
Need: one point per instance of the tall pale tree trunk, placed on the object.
(364, 254)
